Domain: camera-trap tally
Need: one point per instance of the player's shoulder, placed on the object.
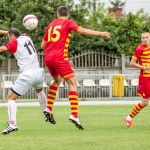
(71, 21)
(24, 36)
(140, 47)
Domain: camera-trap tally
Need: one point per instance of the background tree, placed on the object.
(125, 32)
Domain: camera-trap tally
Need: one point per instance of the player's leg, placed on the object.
(20, 87)
(137, 108)
(73, 98)
(41, 98)
(12, 109)
(144, 92)
(66, 71)
(51, 98)
(38, 82)
(52, 92)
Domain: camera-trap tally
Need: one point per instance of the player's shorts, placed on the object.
(144, 87)
(32, 78)
(60, 67)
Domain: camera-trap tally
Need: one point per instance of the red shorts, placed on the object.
(144, 87)
(60, 67)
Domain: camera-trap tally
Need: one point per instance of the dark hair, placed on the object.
(62, 11)
(15, 32)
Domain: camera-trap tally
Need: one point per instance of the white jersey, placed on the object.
(25, 53)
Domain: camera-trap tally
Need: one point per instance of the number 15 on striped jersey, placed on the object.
(54, 31)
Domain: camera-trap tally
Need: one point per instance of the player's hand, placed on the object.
(105, 35)
(146, 68)
(2, 32)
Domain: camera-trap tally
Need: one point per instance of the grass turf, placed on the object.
(104, 130)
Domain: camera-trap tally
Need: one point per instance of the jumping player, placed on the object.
(55, 44)
(142, 55)
(31, 75)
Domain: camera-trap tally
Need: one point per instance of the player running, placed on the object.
(55, 44)
(31, 75)
(142, 55)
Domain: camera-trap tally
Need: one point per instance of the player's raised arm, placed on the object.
(2, 32)
(85, 31)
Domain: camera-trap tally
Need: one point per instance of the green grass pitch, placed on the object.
(104, 130)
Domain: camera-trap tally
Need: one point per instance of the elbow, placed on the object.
(131, 64)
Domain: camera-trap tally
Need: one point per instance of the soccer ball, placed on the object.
(30, 22)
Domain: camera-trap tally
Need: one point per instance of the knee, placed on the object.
(57, 82)
(145, 102)
(11, 96)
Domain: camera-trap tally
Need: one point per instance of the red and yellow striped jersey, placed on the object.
(142, 54)
(57, 35)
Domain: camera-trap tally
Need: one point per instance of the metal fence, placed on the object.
(87, 60)
(90, 87)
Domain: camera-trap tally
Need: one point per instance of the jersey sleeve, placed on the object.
(12, 46)
(73, 26)
(137, 53)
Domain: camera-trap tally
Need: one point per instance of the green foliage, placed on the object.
(117, 3)
(125, 32)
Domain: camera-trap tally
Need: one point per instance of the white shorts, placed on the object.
(28, 79)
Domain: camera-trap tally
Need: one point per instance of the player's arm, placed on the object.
(3, 48)
(43, 44)
(2, 32)
(134, 63)
(85, 31)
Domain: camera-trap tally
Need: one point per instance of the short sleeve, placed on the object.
(12, 46)
(137, 53)
(73, 26)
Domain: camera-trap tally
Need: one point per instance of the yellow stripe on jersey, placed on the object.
(68, 40)
(146, 75)
(146, 52)
(148, 56)
(69, 35)
(147, 48)
(146, 64)
(66, 45)
(65, 58)
(65, 50)
(66, 54)
(147, 60)
(134, 57)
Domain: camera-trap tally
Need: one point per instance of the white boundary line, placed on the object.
(80, 103)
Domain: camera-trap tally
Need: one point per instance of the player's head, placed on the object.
(145, 38)
(13, 33)
(62, 11)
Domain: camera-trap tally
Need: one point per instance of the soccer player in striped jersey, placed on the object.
(31, 75)
(55, 44)
(142, 55)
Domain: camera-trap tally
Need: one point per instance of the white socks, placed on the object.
(42, 100)
(129, 118)
(12, 109)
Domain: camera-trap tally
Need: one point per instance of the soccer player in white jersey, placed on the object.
(31, 75)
